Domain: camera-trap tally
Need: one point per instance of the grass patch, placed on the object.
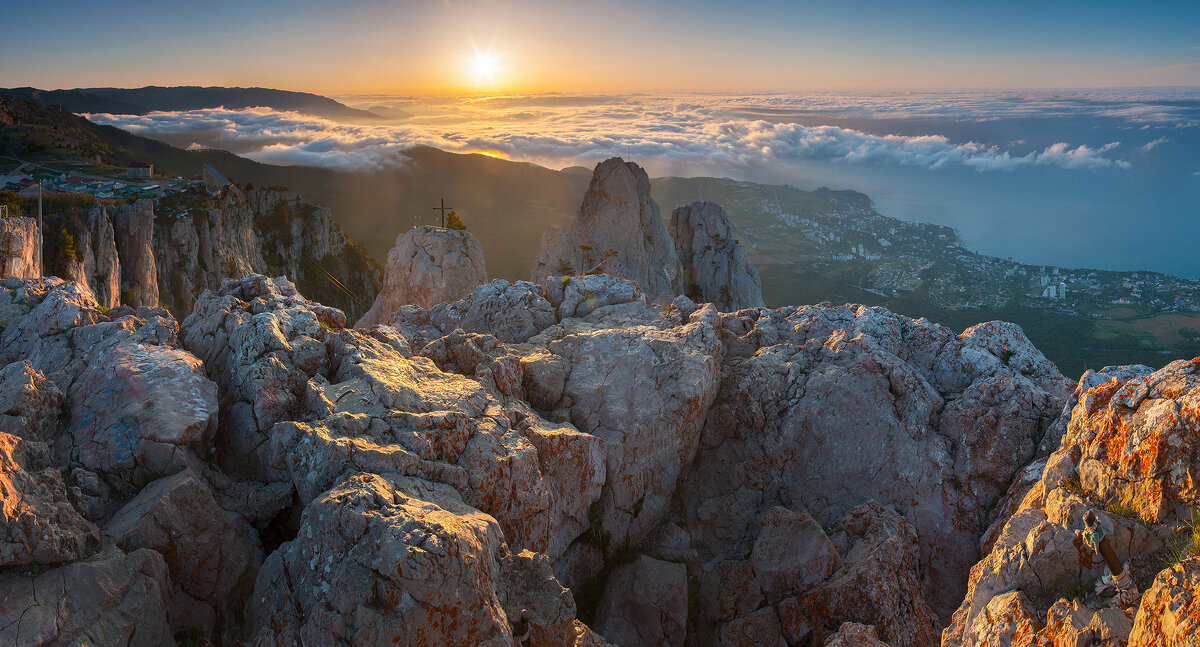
(1116, 507)
(1073, 590)
(1188, 543)
(1073, 486)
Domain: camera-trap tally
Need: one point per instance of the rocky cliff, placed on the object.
(716, 268)
(618, 230)
(137, 254)
(20, 248)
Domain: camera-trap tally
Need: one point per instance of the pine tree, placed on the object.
(454, 222)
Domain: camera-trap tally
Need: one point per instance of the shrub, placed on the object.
(454, 222)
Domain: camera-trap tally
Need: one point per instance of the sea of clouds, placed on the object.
(718, 131)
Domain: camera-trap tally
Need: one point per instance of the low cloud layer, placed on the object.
(732, 132)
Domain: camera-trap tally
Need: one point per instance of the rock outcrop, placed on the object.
(716, 268)
(135, 255)
(619, 231)
(20, 248)
(110, 598)
(575, 454)
(134, 229)
(1127, 456)
(427, 266)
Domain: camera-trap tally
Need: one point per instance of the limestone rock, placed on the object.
(512, 312)
(211, 554)
(644, 391)
(1169, 614)
(853, 634)
(427, 266)
(20, 248)
(877, 584)
(38, 524)
(618, 214)
(111, 598)
(100, 263)
(644, 604)
(560, 254)
(872, 406)
(134, 227)
(579, 296)
(145, 407)
(716, 267)
(29, 403)
(791, 553)
(393, 561)
(1007, 620)
(261, 342)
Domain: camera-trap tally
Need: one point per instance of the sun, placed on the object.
(484, 68)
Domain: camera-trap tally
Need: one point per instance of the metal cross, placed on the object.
(443, 209)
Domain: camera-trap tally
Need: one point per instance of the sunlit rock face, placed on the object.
(716, 268)
(20, 248)
(618, 231)
(1126, 456)
(427, 266)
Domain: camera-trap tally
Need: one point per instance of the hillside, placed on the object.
(139, 101)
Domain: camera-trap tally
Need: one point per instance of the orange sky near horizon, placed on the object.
(426, 46)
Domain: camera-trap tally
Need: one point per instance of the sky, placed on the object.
(428, 46)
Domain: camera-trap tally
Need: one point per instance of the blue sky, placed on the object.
(426, 46)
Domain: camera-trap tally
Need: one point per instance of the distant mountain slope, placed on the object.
(139, 101)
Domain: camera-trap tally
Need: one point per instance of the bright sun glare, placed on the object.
(484, 66)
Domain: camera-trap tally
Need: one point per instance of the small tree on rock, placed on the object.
(454, 222)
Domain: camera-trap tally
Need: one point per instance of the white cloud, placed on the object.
(561, 130)
(1150, 145)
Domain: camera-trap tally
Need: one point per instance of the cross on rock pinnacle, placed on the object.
(443, 209)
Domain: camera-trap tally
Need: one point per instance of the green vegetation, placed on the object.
(66, 246)
(1115, 506)
(454, 222)
(1074, 590)
(12, 201)
(1073, 486)
(1188, 543)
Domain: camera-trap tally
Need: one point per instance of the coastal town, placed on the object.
(839, 234)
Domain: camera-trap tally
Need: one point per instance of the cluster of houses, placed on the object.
(138, 183)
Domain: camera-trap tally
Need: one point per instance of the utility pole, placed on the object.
(443, 209)
(41, 236)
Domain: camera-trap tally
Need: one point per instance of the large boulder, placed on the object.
(1127, 456)
(425, 267)
(871, 406)
(645, 604)
(143, 408)
(111, 598)
(392, 560)
(211, 554)
(512, 312)
(1169, 614)
(38, 524)
(716, 268)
